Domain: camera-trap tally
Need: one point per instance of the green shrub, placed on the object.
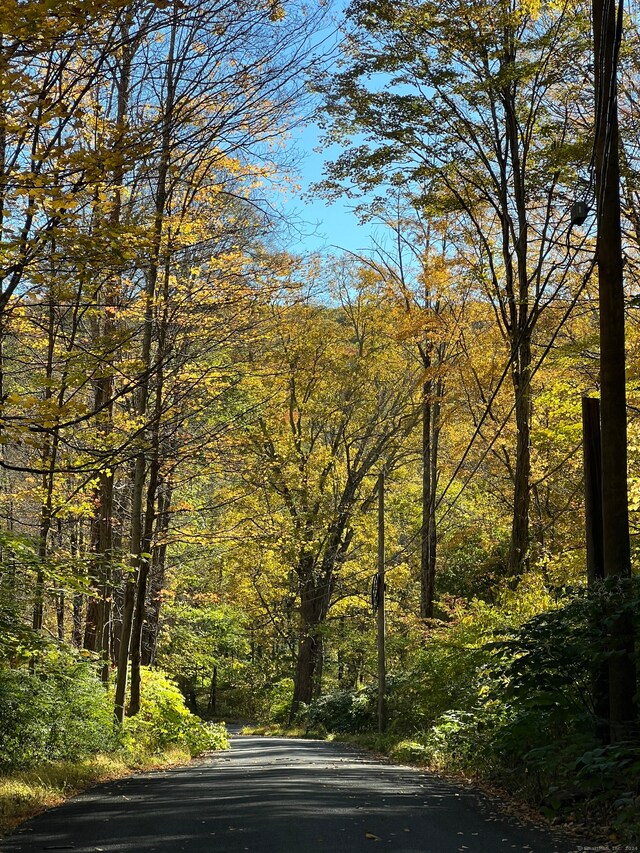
(442, 670)
(532, 725)
(62, 712)
(59, 712)
(164, 720)
(18, 641)
(280, 698)
(344, 711)
(410, 751)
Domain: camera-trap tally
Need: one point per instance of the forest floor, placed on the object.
(270, 795)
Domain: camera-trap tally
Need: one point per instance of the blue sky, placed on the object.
(325, 225)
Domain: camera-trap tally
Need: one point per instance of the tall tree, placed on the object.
(414, 263)
(476, 114)
(339, 403)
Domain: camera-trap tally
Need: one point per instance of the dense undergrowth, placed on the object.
(507, 697)
(57, 733)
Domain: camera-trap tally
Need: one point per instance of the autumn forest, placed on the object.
(195, 417)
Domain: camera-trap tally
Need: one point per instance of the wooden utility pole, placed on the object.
(607, 34)
(617, 559)
(592, 450)
(382, 666)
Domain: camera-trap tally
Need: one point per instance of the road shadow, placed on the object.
(282, 796)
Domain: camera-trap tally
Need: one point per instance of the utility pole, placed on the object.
(607, 35)
(592, 451)
(382, 667)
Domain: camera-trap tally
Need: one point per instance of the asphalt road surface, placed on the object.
(272, 795)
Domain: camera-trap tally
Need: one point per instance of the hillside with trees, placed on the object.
(195, 420)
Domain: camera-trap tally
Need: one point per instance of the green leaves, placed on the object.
(164, 721)
(60, 711)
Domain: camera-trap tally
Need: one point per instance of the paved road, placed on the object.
(271, 795)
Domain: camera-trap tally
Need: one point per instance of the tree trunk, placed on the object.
(305, 667)
(45, 524)
(102, 544)
(141, 592)
(519, 546)
(592, 447)
(435, 446)
(137, 526)
(592, 457)
(78, 606)
(150, 511)
(130, 587)
(428, 533)
(317, 678)
(49, 458)
(117, 606)
(60, 598)
(158, 572)
(313, 609)
(78, 598)
(427, 577)
(521, 322)
(97, 627)
(213, 693)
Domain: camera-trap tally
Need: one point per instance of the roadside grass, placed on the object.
(25, 793)
(276, 730)
(392, 746)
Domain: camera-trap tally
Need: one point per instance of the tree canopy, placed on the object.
(194, 417)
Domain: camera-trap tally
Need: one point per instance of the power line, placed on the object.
(527, 381)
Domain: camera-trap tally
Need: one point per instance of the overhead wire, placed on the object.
(526, 329)
(611, 100)
(526, 382)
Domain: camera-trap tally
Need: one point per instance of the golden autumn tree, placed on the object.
(339, 402)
